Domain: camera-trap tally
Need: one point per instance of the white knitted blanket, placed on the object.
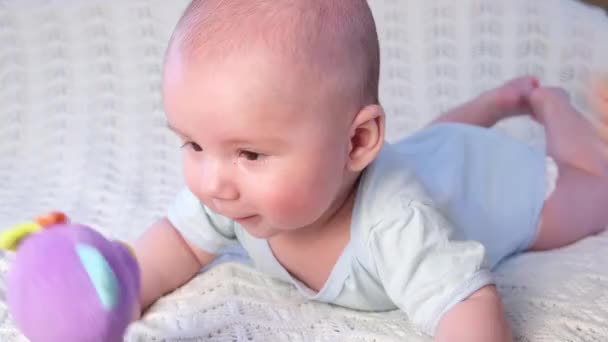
(82, 130)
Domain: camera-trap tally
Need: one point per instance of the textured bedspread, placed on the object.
(82, 130)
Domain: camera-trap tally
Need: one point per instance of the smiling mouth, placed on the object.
(245, 219)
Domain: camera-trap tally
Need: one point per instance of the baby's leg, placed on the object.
(599, 102)
(571, 139)
(488, 108)
(579, 205)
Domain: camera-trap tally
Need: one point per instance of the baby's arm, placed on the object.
(443, 284)
(480, 317)
(167, 261)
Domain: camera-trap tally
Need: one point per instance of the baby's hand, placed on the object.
(478, 318)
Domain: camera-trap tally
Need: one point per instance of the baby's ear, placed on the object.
(366, 137)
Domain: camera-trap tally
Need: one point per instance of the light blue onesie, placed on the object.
(419, 207)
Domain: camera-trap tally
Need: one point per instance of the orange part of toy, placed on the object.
(54, 217)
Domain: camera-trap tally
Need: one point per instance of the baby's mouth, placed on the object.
(246, 219)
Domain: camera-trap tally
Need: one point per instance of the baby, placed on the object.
(276, 103)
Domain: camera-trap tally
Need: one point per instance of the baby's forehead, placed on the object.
(253, 90)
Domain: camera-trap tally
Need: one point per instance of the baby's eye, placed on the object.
(194, 146)
(251, 156)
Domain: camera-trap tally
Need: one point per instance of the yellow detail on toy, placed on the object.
(9, 239)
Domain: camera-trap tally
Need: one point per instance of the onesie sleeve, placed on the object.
(200, 226)
(422, 269)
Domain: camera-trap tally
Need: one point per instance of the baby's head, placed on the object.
(276, 102)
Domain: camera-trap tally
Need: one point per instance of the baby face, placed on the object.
(257, 148)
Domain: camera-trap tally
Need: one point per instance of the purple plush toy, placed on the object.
(69, 283)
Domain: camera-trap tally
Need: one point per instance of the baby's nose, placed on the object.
(217, 183)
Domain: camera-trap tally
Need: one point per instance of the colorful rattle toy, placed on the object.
(69, 283)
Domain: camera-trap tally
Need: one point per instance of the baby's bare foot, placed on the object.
(547, 100)
(570, 136)
(512, 98)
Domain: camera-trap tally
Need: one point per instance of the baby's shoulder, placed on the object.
(388, 185)
(387, 195)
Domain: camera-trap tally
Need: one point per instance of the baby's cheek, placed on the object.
(296, 204)
(191, 176)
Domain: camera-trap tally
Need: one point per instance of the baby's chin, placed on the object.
(261, 232)
(259, 229)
